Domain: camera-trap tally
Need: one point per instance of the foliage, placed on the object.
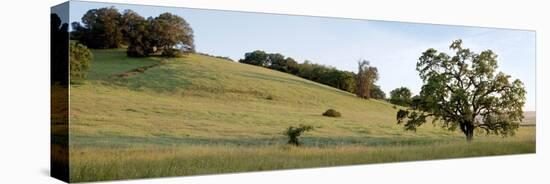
(80, 58)
(464, 91)
(294, 132)
(173, 36)
(167, 35)
(100, 29)
(327, 75)
(401, 96)
(257, 57)
(138, 34)
(332, 113)
(367, 75)
(377, 93)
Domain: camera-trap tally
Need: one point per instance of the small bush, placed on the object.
(80, 58)
(269, 97)
(332, 113)
(294, 132)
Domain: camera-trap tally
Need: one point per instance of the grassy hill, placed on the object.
(202, 98)
(206, 115)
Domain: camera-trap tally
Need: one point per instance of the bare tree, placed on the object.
(366, 77)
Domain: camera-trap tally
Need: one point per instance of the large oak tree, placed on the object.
(465, 91)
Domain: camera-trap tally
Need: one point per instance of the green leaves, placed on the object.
(294, 132)
(463, 91)
(401, 96)
(80, 58)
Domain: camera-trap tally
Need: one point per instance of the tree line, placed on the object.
(106, 28)
(362, 84)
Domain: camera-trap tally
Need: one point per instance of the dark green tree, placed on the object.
(377, 93)
(100, 30)
(401, 96)
(138, 34)
(294, 132)
(280, 63)
(257, 57)
(172, 35)
(465, 91)
(129, 24)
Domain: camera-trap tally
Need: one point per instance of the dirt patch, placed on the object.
(138, 70)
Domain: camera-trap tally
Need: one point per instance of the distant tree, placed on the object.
(257, 57)
(100, 29)
(305, 69)
(168, 35)
(377, 93)
(291, 66)
(294, 132)
(80, 58)
(173, 36)
(401, 96)
(464, 91)
(315, 72)
(366, 77)
(129, 25)
(280, 63)
(138, 35)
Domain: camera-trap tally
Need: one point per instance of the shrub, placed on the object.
(294, 132)
(269, 97)
(332, 113)
(80, 58)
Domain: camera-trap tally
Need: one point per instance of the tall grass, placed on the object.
(108, 164)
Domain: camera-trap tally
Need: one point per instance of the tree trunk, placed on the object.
(469, 132)
(470, 136)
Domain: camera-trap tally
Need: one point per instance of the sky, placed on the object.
(393, 47)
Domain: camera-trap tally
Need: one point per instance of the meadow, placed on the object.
(204, 115)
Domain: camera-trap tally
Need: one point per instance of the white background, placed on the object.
(24, 92)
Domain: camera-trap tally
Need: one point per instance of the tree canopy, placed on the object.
(465, 91)
(166, 35)
(100, 29)
(327, 75)
(401, 96)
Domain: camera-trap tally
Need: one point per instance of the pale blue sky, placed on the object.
(393, 47)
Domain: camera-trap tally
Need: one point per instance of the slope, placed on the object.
(205, 100)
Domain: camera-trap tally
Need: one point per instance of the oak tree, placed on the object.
(465, 91)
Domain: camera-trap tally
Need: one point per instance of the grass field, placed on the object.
(202, 115)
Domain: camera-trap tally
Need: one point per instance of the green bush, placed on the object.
(294, 132)
(80, 58)
(332, 113)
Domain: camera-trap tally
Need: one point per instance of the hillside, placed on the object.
(200, 99)
(202, 115)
